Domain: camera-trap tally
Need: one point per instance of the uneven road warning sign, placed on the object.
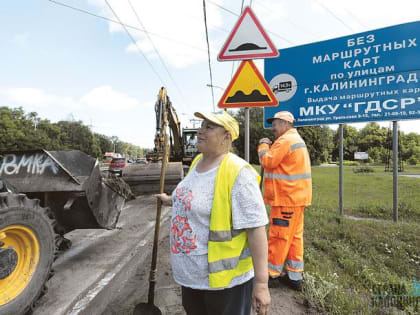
(247, 89)
(248, 40)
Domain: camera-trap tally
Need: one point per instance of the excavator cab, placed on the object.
(189, 140)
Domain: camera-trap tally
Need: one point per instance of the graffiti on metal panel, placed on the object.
(36, 164)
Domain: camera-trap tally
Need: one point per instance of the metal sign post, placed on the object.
(247, 134)
(340, 176)
(395, 164)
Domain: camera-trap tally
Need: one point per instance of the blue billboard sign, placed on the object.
(370, 76)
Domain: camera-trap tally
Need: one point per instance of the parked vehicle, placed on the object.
(141, 161)
(108, 156)
(117, 165)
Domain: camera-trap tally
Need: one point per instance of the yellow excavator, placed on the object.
(144, 178)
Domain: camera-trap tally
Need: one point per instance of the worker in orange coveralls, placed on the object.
(288, 189)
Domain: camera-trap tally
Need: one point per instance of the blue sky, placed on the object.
(62, 63)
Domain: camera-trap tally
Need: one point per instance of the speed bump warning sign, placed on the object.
(248, 88)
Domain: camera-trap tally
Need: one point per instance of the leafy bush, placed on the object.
(350, 163)
(363, 169)
(412, 160)
(316, 162)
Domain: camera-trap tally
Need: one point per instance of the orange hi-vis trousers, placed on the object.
(285, 242)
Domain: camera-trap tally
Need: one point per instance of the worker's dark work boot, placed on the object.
(292, 284)
(295, 284)
(273, 282)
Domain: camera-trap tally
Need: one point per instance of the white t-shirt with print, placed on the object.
(190, 223)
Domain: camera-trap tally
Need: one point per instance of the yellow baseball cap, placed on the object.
(284, 115)
(223, 120)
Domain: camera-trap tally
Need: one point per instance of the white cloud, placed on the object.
(107, 99)
(104, 98)
(34, 97)
(177, 30)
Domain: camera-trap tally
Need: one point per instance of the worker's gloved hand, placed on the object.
(265, 140)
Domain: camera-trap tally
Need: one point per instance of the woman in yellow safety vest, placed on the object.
(217, 236)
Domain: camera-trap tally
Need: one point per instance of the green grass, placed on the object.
(346, 258)
(367, 194)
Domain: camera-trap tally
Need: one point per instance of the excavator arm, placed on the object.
(145, 178)
(165, 112)
(175, 127)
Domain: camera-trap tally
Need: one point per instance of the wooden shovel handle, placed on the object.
(152, 277)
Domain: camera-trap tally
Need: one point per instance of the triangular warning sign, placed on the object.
(247, 89)
(248, 40)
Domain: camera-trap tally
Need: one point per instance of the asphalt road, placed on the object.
(89, 275)
(106, 271)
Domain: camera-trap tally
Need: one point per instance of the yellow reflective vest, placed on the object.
(228, 253)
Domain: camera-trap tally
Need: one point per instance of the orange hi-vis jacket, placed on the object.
(287, 171)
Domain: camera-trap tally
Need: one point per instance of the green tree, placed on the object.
(318, 140)
(79, 137)
(105, 143)
(372, 135)
(374, 139)
(256, 132)
(410, 148)
(17, 131)
(350, 143)
(20, 131)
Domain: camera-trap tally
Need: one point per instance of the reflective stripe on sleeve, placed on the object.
(288, 177)
(297, 146)
(261, 154)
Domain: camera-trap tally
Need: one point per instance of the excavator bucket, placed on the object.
(145, 178)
